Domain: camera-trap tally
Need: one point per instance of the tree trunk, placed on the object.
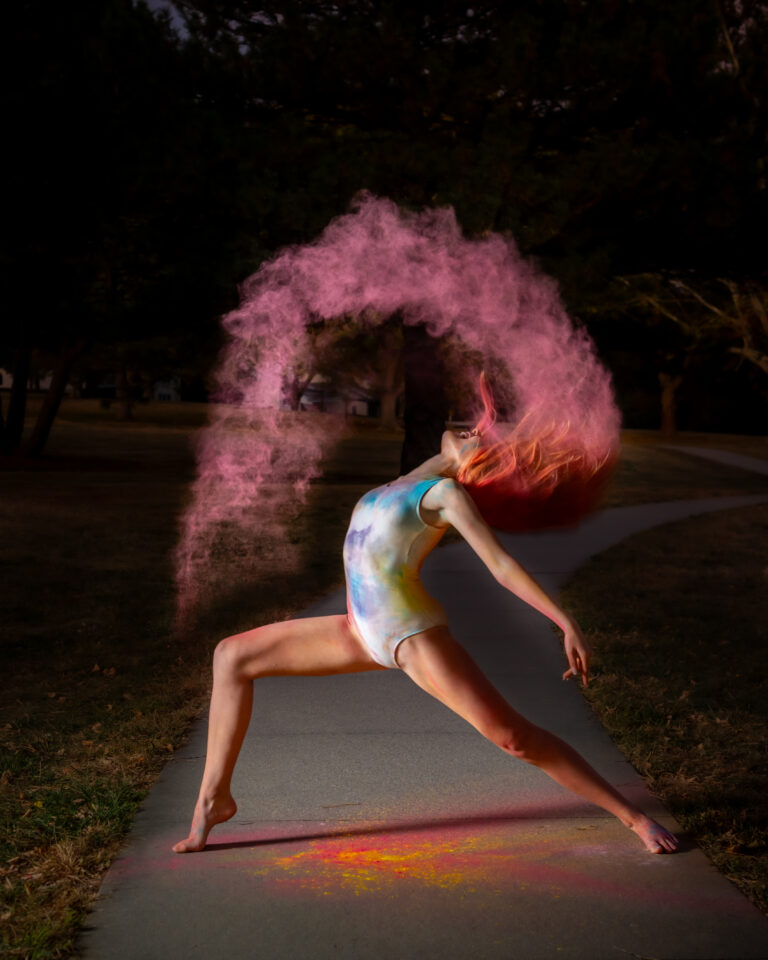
(391, 388)
(36, 443)
(296, 387)
(426, 407)
(388, 401)
(669, 385)
(123, 395)
(14, 424)
(292, 394)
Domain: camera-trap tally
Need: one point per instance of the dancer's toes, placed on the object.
(654, 836)
(207, 814)
(192, 844)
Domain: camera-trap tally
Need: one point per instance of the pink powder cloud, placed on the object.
(255, 463)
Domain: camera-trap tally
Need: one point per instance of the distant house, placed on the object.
(360, 403)
(321, 395)
(168, 391)
(41, 382)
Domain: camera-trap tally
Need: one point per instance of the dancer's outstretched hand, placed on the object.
(578, 652)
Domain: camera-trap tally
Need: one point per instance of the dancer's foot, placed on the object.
(654, 836)
(207, 814)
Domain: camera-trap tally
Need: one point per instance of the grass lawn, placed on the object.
(679, 618)
(101, 691)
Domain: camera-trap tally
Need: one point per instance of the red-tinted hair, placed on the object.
(533, 477)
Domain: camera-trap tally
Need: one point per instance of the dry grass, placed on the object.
(682, 675)
(648, 475)
(749, 446)
(92, 412)
(102, 692)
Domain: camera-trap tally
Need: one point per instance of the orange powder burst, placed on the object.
(485, 860)
(372, 865)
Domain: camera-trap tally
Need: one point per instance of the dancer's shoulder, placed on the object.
(444, 492)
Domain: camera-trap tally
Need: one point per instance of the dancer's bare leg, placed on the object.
(442, 667)
(316, 646)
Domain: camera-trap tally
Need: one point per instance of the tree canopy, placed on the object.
(153, 168)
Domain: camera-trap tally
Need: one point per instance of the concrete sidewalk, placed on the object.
(730, 459)
(374, 823)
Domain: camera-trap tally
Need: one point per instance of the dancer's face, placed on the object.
(457, 444)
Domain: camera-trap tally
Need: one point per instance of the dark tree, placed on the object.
(426, 405)
(155, 172)
(118, 214)
(607, 139)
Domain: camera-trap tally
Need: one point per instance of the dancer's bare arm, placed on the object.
(455, 507)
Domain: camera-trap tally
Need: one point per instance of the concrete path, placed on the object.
(754, 464)
(374, 823)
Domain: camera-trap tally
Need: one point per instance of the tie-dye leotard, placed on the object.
(384, 549)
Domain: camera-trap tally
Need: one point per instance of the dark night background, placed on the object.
(156, 158)
(156, 154)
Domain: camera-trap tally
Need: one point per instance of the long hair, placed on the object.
(536, 475)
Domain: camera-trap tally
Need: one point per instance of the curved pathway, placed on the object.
(728, 457)
(374, 823)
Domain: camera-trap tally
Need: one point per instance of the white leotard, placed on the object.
(384, 549)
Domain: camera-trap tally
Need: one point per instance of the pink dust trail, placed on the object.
(499, 312)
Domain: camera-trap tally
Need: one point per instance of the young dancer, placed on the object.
(393, 623)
